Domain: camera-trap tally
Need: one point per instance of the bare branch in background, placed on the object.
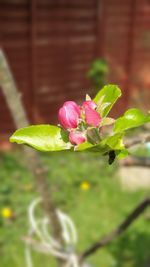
(19, 116)
(139, 139)
(135, 161)
(119, 229)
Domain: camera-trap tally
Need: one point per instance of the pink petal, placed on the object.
(92, 117)
(69, 114)
(76, 138)
(89, 104)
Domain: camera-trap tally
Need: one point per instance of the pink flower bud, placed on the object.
(92, 117)
(89, 104)
(69, 114)
(76, 138)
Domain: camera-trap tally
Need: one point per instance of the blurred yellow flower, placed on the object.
(7, 213)
(85, 186)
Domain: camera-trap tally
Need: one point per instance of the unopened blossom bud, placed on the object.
(69, 114)
(92, 117)
(76, 138)
(89, 104)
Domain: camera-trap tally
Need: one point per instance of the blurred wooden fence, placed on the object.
(50, 44)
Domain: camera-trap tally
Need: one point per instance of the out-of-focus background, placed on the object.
(60, 50)
(50, 45)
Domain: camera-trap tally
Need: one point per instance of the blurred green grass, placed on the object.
(95, 211)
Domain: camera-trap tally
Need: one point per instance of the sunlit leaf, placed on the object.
(108, 94)
(115, 142)
(100, 148)
(52, 138)
(131, 119)
(121, 154)
(42, 137)
(109, 143)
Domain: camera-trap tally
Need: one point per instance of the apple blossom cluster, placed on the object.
(77, 119)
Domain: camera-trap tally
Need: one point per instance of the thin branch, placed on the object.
(134, 161)
(118, 230)
(140, 139)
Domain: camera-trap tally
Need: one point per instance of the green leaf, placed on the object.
(86, 146)
(107, 95)
(131, 119)
(114, 142)
(42, 137)
(52, 138)
(121, 154)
